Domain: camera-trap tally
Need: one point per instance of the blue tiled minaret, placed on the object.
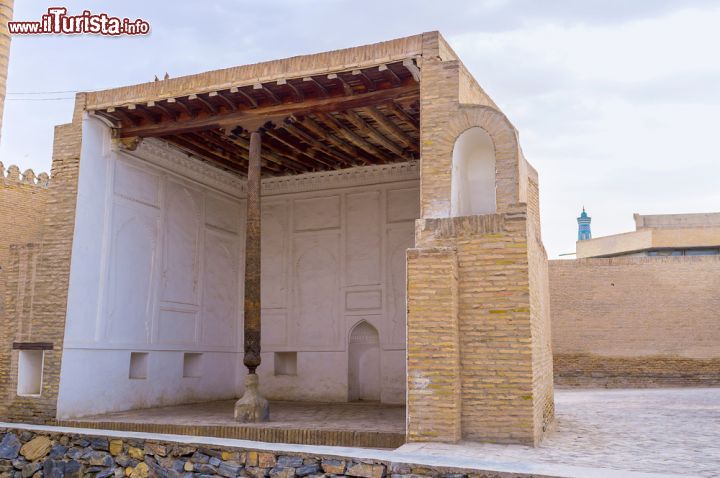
(584, 226)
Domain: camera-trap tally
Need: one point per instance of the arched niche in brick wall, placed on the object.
(473, 174)
(508, 159)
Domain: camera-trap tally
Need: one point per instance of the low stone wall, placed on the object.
(38, 454)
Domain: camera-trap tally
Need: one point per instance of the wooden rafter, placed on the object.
(363, 126)
(272, 113)
(319, 131)
(391, 128)
(292, 129)
(338, 128)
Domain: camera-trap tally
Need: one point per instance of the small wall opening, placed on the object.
(30, 372)
(285, 363)
(473, 174)
(138, 365)
(364, 363)
(192, 365)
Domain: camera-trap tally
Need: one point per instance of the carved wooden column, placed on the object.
(252, 407)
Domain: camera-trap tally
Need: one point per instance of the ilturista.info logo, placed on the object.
(58, 22)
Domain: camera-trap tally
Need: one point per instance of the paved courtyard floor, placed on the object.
(651, 430)
(674, 431)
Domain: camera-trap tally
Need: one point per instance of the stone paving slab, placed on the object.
(657, 430)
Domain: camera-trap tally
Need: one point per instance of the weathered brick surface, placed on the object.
(22, 213)
(636, 321)
(501, 394)
(46, 321)
(433, 353)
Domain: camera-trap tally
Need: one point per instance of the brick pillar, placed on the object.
(433, 355)
(6, 10)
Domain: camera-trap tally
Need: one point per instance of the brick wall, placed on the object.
(433, 355)
(22, 213)
(500, 392)
(46, 322)
(636, 321)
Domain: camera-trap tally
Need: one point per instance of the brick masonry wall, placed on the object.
(498, 396)
(22, 213)
(544, 404)
(433, 355)
(47, 321)
(636, 321)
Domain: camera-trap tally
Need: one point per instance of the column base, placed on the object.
(252, 407)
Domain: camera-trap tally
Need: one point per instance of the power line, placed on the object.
(41, 99)
(43, 92)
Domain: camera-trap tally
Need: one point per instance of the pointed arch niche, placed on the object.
(473, 174)
(364, 363)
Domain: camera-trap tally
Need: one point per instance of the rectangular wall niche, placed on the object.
(285, 363)
(138, 365)
(192, 365)
(30, 372)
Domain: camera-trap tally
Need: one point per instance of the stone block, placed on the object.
(281, 472)
(36, 448)
(365, 470)
(333, 467)
(9, 447)
(140, 471)
(267, 460)
(307, 470)
(136, 453)
(155, 449)
(286, 461)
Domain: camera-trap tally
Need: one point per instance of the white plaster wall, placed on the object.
(157, 267)
(473, 174)
(332, 259)
(154, 269)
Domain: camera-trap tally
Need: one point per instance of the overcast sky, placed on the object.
(617, 101)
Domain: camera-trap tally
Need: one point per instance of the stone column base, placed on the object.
(252, 407)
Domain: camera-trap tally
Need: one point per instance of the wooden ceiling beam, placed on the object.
(391, 128)
(266, 154)
(172, 116)
(124, 116)
(209, 106)
(321, 89)
(361, 156)
(401, 114)
(299, 96)
(369, 84)
(357, 140)
(347, 89)
(259, 116)
(253, 103)
(231, 104)
(182, 105)
(293, 155)
(363, 126)
(203, 153)
(310, 153)
(273, 97)
(388, 73)
(293, 130)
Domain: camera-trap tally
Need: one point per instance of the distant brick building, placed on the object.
(375, 161)
(640, 308)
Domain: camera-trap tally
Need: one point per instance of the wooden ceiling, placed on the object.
(339, 120)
